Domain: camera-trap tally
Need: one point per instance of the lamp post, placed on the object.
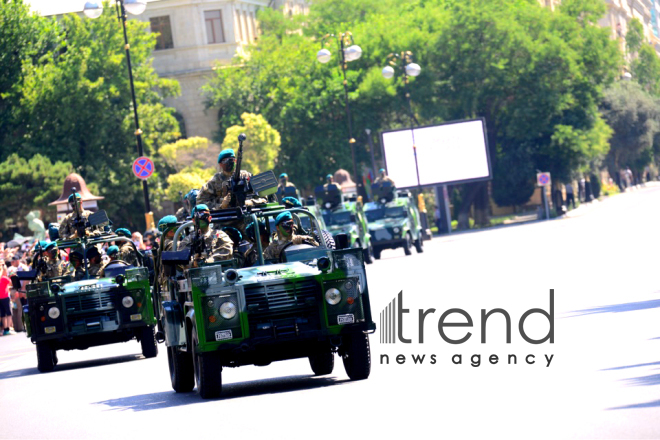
(94, 9)
(348, 51)
(404, 62)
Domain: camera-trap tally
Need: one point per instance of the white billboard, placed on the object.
(454, 152)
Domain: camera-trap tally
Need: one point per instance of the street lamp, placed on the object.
(94, 9)
(348, 51)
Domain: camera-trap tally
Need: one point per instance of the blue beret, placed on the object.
(77, 195)
(295, 203)
(249, 230)
(52, 244)
(382, 170)
(123, 232)
(112, 250)
(42, 244)
(283, 175)
(200, 207)
(167, 222)
(227, 152)
(329, 176)
(232, 232)
(284, 216)
(53, 232)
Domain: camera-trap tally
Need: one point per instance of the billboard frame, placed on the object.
(450, 182)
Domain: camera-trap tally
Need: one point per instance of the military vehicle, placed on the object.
(394, 220)
(77, 311)
(310, 302)
(344, 214)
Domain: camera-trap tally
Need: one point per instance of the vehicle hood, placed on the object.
(385, 223)
(272, 272)
(84, 286)
(342, 229)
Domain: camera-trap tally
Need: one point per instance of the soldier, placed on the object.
(76, 258)
(53, 231)
(207, 245)
(285, 234)
(167, 226)
(55, 266)
(383, 177)
(328, 181)
(189, 202)
(251, 256)
(127, 252)
(95, 265)
(284, 183)
(216, 192)
(67, 230)
(112, 253)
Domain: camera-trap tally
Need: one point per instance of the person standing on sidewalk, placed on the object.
(5, 305)
(570, 198)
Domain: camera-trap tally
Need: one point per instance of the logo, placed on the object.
(397, 326)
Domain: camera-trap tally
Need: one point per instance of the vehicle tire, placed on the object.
(357, 356)
(322, 362)
(45, 361)
(419, 244)
(407, 244)
(208, 371)
(181, 370)
(326, 238)
(377, 253)
(148, 342)
(369, 254)
(55, 360)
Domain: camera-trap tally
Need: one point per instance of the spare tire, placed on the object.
(327, 239)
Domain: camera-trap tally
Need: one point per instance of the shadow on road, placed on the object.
(168, 399)
(654, 404)
(618, 308)
(71, 366)
(625, 367)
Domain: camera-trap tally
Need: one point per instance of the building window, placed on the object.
(161, 26)
(214, 31)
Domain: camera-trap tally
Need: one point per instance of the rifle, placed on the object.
(40, 264)
(198, 246)
(239, 187)
(79, 223)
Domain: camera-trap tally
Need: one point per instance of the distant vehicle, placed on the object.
(311, 302)
(344, 214)
(67, 314)
(394, 220)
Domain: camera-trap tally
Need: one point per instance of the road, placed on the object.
(602, 380)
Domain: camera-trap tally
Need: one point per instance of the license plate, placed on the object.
(223, 335)
(49, 330)
(346, 319)
(136, 317)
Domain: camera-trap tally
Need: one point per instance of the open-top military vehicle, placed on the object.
(394, 220)
(311, 302)
(78, 311)
(344, 214)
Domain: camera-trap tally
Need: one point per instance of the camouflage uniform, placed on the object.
(215, 190)
(67, 231)
(127, 254)
(272, 252)
(79, 274)
(181, 214)
(380, 179)
(218, 246)
(58, 268)
(281, 187)
(94, 270)
(166, 246)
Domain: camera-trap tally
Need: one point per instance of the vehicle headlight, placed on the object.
(53, 313)
(127, 301)
(228, 310)
(396, 230)
(333, 296)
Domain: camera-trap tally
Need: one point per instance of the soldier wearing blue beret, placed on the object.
(285, 234)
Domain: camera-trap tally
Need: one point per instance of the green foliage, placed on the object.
(37, 180)
(262, 145)
(646, 69)
(184, 181)
(74, 104)
(634, 36)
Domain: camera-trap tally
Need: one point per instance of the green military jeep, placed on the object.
(310, 302)
(75, 312)
(394, 221)
(344, 214)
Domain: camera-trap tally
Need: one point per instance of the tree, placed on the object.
(646, 69)
(189, 166)
(262, 145)
(27, 185)
(75, 105)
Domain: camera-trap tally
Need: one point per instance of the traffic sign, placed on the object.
(143, 168)
(543, 179)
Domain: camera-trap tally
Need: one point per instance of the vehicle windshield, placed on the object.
(338, 218)
(395, 212)
(381, 213)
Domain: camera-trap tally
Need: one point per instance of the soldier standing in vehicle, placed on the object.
(189, 202)
(126, 250)
(328, 181)
(285, 235)
(284, 183)
(383, 177)
(216, 193)
(67, 229)
(207, 245)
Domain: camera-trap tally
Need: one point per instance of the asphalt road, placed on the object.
(602, 380)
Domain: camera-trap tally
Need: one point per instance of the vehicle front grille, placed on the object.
(88, 301)
(282, 298)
